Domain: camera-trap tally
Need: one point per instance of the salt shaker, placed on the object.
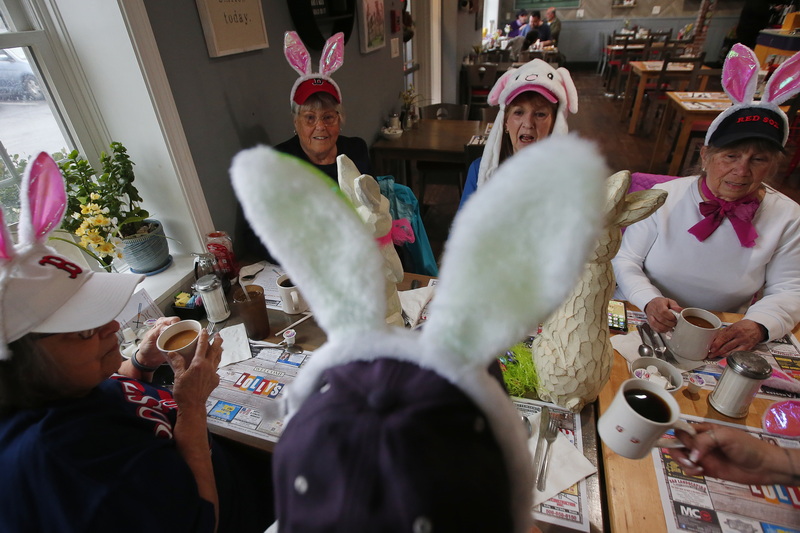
(739, 383)
(210, 289)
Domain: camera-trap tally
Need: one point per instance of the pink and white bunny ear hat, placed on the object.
(754, 120)
(41, 291)
(538, 76)
(314, 82)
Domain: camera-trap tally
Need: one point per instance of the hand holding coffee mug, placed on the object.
(639, 415)
(292, 302)
(692, 336)
(180, 337)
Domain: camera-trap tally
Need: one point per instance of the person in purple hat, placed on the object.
(725, 240)
(317, 111)
(87, 443)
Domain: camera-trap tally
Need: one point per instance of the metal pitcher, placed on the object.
(204, 264)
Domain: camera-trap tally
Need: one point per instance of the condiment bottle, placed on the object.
(220, 244)
(739, 383)
(210, 289)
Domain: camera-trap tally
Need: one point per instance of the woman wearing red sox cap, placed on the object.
(724, 240)
(317, 111)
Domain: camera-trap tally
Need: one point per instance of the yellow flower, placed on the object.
(90, 209)
(94, 196)
(106, 248)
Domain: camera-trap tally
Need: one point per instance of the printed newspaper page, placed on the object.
(709, 505)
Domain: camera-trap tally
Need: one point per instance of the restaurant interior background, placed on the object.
(183, 115)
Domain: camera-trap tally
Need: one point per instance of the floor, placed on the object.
(598, 119)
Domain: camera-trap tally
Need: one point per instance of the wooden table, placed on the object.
(632, 494)
(433, 140)
(686, 109)
(648, 71)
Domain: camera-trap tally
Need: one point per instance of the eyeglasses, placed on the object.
(328, 119)
(85, 334)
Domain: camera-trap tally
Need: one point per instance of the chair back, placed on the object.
(445, 111)
(489, 114)
(678, 47)
(665, 77)
(635, 50)
(661, 36)
(481, 76)
(700, 75)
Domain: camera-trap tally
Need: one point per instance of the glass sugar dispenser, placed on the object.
(739, 383)
(209, 287)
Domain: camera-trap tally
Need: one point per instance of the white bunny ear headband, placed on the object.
(313, 82)
(513, 255)
(747, 119)
(555, 85)
(41, 291)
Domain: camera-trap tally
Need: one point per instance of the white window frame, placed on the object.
(100, 62)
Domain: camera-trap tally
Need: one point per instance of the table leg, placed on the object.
(626, 97)
(680, 147)
(666, 121)
(637, 104)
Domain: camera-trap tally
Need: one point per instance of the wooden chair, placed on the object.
(480, 80)
(702, 76)
(445, 111)
(656, 95)
(489, 114)
(632, 50)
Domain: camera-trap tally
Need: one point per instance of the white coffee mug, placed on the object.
(692, 335)
(292, 302)
(633, 431)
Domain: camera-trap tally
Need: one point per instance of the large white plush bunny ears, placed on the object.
(513, 254)
(35, 282)
(747, 119)
(311, 82)
(555, 85)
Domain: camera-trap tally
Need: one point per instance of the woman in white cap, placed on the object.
(86, 442)
(724, 240)
(534, 102)
(317, 111)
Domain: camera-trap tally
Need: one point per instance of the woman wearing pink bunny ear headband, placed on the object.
(317, 110)
(724, 240)
(87, 443)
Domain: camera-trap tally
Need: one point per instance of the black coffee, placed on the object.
(287, 283)
(648, 405)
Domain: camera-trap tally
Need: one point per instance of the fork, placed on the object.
(550, 436)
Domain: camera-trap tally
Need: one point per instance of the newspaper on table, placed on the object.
(570, 507)
(247, 398)
(710, 505)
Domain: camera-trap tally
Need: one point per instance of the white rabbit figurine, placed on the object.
(373, 208)
(364, 449)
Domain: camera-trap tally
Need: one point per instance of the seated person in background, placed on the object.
(317, 110)
(86, 442)
(724, 240)
(534, 101)
(540, 26)
(518, 23)
(554, 24)
(728, 453)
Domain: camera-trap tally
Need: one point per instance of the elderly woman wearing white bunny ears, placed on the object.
(724, 240)
(534, 101)
(317, 110)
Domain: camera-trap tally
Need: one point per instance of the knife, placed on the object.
(544, 421)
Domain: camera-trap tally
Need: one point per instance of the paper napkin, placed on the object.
(235, 346)
(567, 464)
(414, 301)
(627, 345)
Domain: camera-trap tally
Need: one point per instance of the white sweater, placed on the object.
(659, 257)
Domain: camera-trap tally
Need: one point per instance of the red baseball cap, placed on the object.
(312, 86)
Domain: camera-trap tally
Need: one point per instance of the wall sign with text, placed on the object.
(542, 5)
(232, 26)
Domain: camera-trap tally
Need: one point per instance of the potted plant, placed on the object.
(410, 98)
(103, 211)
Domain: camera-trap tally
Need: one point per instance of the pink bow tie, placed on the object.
(740, 213)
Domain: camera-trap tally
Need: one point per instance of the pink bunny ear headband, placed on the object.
(314, 82)
(41, 291)
(746, 119)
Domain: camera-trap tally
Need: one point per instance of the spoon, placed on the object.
(645, 350)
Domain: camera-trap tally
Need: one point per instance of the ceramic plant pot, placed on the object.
(147, 252)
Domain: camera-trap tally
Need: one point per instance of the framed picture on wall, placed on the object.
(371, 25)
(232, 28)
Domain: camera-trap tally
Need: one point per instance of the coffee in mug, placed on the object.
(638, 417)
(179, 340)
(693, 333)
(180, 337)
(292, 301)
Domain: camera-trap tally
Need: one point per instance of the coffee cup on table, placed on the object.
(292, 302)
(693, 333)
(639, 415)
(180, 337)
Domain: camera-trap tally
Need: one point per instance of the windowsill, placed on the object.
(162, 286)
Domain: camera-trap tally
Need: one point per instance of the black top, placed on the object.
(353, 147)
